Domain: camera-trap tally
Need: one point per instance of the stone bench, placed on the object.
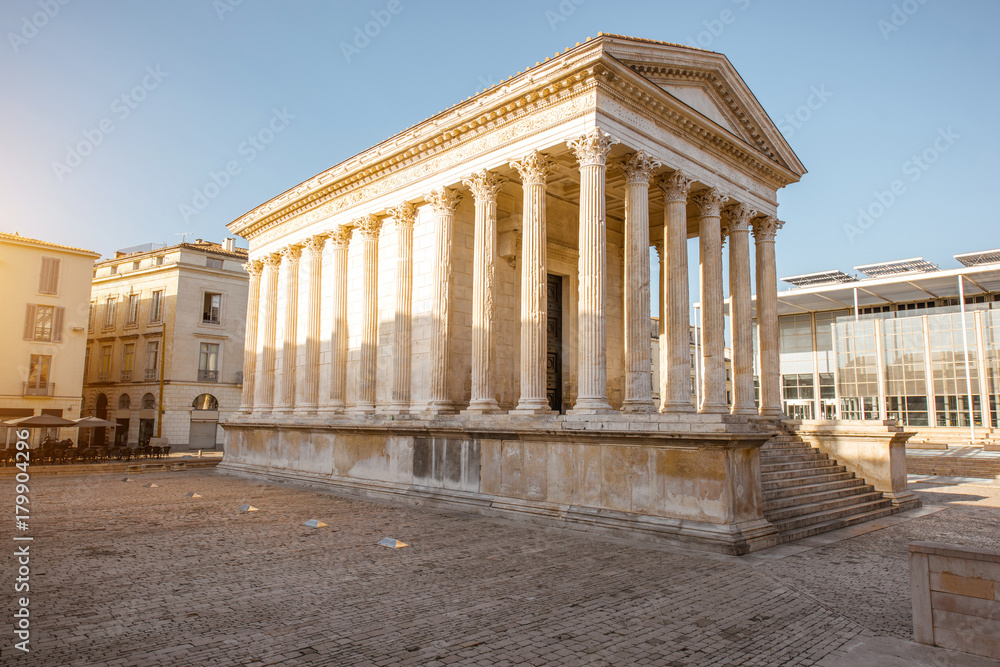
(956, 597)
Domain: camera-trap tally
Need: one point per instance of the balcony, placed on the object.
(150, 374)
(104, 377)
(126, 376)
(39, 389)
(208, 376)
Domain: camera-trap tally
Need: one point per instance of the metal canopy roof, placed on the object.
(819, 278)
(981, 257)
(912, 265)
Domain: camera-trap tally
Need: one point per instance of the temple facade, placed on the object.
(460, 315)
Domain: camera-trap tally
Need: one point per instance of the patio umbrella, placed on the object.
(94, 422)
(36, 421)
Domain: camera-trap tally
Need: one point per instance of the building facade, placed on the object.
(461, 314)
(908, 341)
(45, 296)
(164, 353)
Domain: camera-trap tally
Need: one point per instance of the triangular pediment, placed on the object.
(702, 99)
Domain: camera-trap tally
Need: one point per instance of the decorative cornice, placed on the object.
(485, 185)
(592, 149)
(369, 226)
(675, 186)
(443, 201)
(766, 228)
(638, 167)
(341, 235)
(404, 215)
(534, 168)
(710, 201)
(738, 216)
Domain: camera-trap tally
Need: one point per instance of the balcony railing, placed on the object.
(103, 377)
(208, 376)
(39, 389)
(150, 374)
(126, 376)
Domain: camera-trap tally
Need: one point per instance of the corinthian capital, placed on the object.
(444, 200)
(272, 261)
(404, 215)
(369, 226)
(484, 185)
(592, 148)
(291, 253)
(675, 186)
(315, 245)
(534, 168)
(340, 237)
(765, 228)
(254, 268)
(709, 201)
(739, 216)
(638, 167)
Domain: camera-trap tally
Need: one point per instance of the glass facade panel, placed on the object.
(796, 346)
(857, 369)
(948, 365)
(905, 376)
(991, 333)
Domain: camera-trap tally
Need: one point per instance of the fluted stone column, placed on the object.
(307, 385)
(369, 227)
(676, 361)
(404, 216)
(662, 325)
(264, 401)
(534, 170)
(740, 315)
(340, 239)
(443, 202)
(253, 270)
(591, 152)
(290, 259)
(713, 395)
(764, 231)
(485, 187)
(638, 367)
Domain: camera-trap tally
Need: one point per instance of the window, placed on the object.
(124, 402)
(156, 306)
(135, 266)
(205, 402)
(152, 359)
(128, 361)
(212, 312)
(208, 363)
(148, 402)
(86, 365)
(132, 314)
(159, 260)
(110, 312)
(213, 263)
(90, 317)
(104, 372)
(38, 374)
(48, 280)
(114, 269)
(43, 323)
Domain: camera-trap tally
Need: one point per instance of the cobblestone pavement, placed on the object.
(123, 574)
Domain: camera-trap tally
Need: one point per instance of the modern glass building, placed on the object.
(907, 341)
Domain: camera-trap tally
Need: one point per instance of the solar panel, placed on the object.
(981, 257)
(912, 265)
(819, 278)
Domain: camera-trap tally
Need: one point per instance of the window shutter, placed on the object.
(57, 324)
(48, 282)
(29, 322)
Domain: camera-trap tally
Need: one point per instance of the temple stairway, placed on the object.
(806, 492)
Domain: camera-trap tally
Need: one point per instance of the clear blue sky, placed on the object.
(199, 79)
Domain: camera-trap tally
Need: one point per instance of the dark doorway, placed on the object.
(101, 413)
(553, 332)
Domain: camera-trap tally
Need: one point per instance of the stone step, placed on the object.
(831, 468)
(786, 488)
(800, 495)
(806, 455)
(796, 465)
(834, 524)
(823, 516)
(844, 502)
(789, 449)
(785, 438)
(803, 481)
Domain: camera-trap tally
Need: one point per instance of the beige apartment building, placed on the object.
(164, 352)
(45, 295)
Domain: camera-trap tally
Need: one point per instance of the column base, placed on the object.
(397, 409)
(362, 409)
(532, 406)
(677, 407)
(638, 406)
(283, 410)
(590, 406)
(715, 409)
(771, 412)
(440, 408)
(331, 409)
(306, 409)
(749, 411)
(482, 407)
